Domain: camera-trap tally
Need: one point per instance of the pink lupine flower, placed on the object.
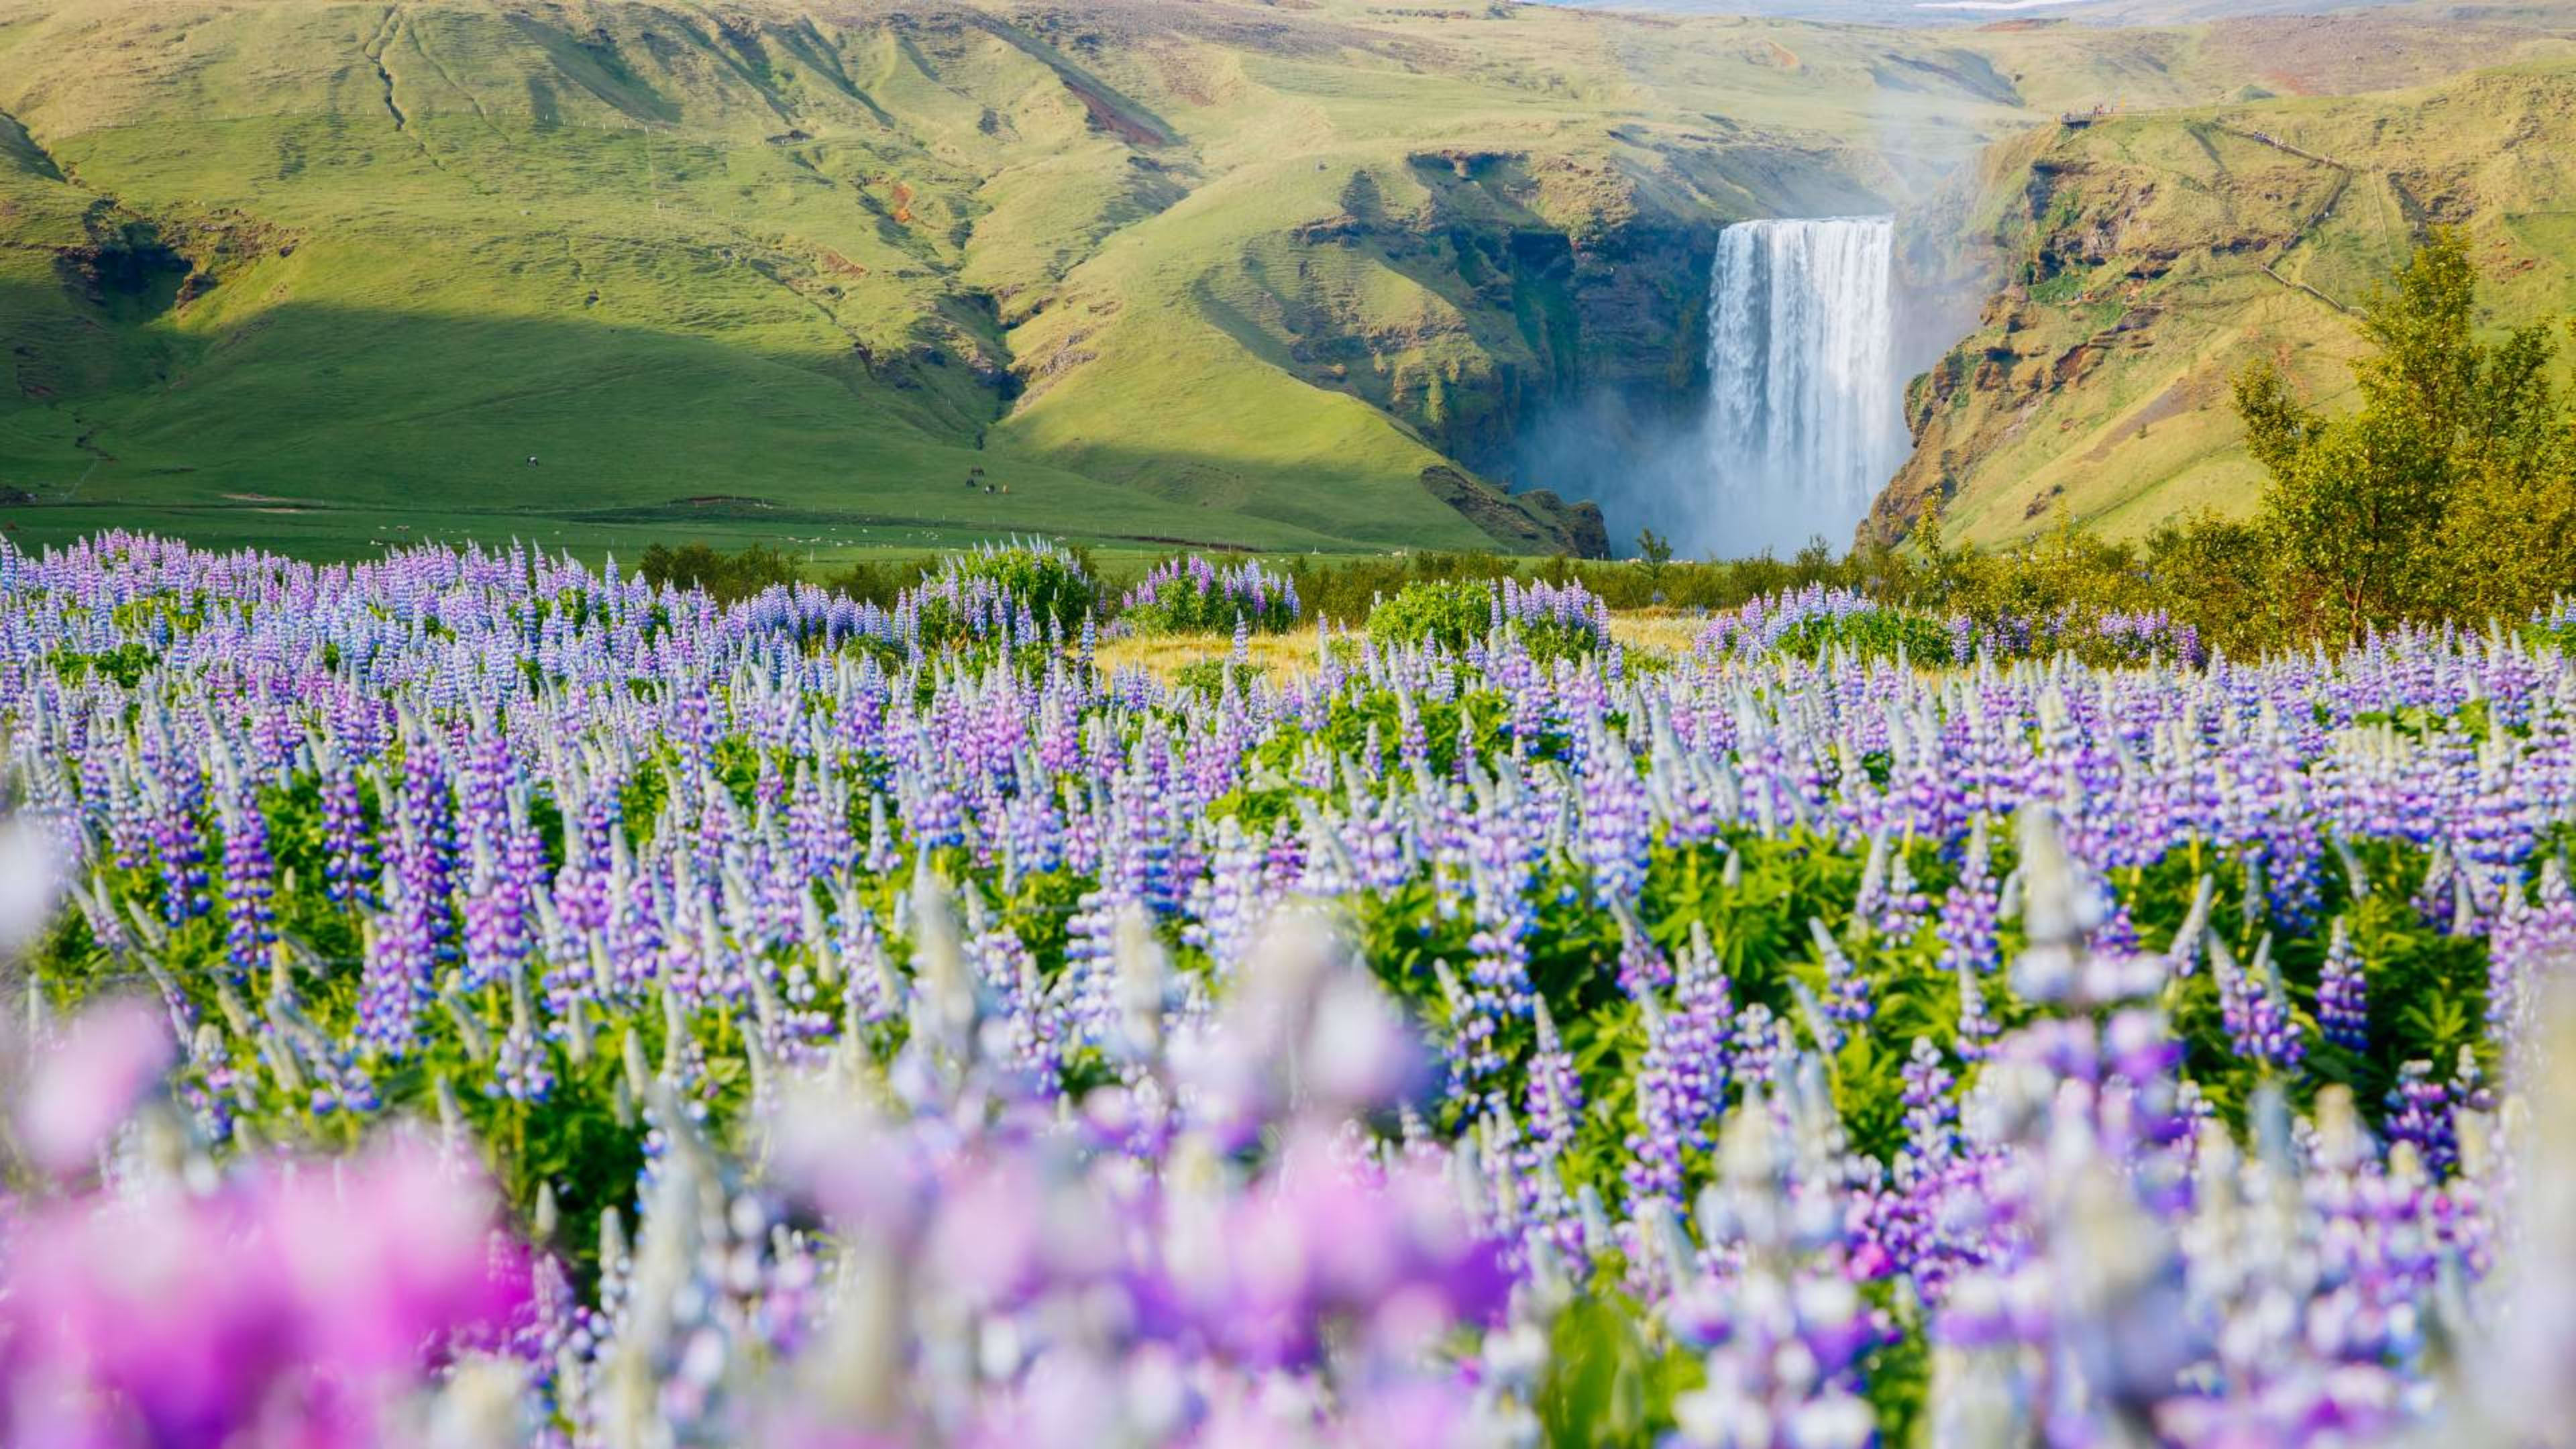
(85, 1085)
(283, 1307)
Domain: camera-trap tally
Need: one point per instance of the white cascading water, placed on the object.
(1805, 415)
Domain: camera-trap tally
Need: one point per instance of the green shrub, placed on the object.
(726, 577)
(1876, 634)
(1551, 620)
(973, 595)
(1207, 676)
(875, 582)
(1185, 593)
(1347, 588)
(1449, 612)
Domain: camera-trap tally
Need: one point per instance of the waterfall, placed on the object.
(1805, 419)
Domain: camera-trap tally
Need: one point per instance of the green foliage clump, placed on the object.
(1557, 637)
(1207, 676)
(1872, 634)
(1186, 593)
(1054, 583)
(1347, 589)
(125, 664)
(1550, 621)
(2554, 629)
(874, 581)
(2451, 491)
(976, 598)
(2065, 571)
(1608, 1382)
(1451, 613)
(727, 577)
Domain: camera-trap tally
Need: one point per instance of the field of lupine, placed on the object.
(469, 999)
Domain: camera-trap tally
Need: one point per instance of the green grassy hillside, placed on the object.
(2151, 257)
(1280, 276)
(1228, 274)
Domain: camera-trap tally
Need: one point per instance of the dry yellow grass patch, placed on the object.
(1166, 655)
(1665, 632)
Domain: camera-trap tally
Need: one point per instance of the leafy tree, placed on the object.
(2355, 510)
(2213, 572)
(2448, 491)
(728, 577)
(2512, 526)
(1654, 551)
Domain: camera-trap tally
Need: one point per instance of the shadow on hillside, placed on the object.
(382, 416)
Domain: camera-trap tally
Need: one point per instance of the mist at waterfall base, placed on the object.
(1802, 421)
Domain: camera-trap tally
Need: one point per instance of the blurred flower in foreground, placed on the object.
(290, 1303)
(30, 875)
(1259, 1280)
(86, 1084)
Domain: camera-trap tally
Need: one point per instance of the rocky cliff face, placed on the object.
(1529, 282)
(1567, 349)
(2116, 272)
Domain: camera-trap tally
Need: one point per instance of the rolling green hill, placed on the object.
(1278, 275)
(2149, 258)
(326, 272)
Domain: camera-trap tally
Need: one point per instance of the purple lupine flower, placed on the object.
(1555, 1093)
(1663, 1108)
(2255, 1009)
(1931, 1115)
(1903, 908)
(1846, 997)
(1682, 1076)
(1617, 820)
(294, 1305)
(2419, 1114)
(250, 917)
(401, 956)
(521, 1069)
(1643, 970)
(1968, 911)
(2343, 992)
(178, 841)
(2182, 954)
(1977, 1029)
(348, 850)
